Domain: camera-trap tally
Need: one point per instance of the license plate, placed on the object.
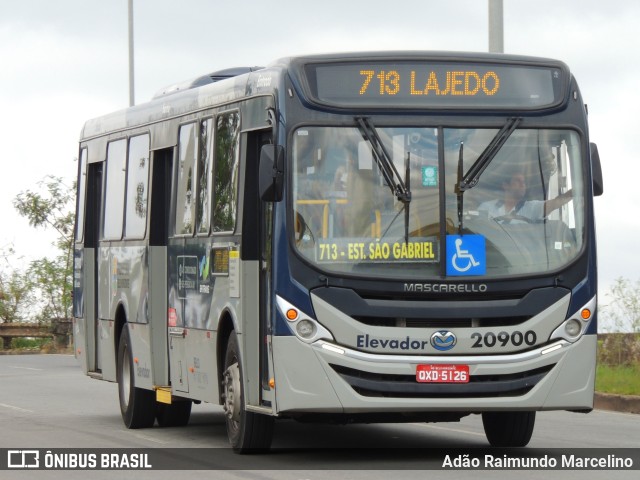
(442, 373)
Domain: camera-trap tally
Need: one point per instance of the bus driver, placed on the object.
(514, 207)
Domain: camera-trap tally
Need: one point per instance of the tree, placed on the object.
(16, 291)
(623, 312)
(52, 207)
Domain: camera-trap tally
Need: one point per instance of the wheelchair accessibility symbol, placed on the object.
(466, 255)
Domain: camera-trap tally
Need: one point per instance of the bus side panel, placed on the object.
(107, 349)
(106, 343)
(127, 283)
(157, 305)
(79, 342)
(204, 287)
(136, 287)
(301, 382)
(79, 325)
(132, 279)
(78, 281)
(192, 286)
(84, 321)
(574, 387)
(250, 340)
(123, 281)
(140, 335)
(202, 376)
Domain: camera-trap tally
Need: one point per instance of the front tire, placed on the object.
(137, 405)
(248, 432)
(508, 429)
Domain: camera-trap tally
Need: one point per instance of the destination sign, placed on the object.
(356, 251)
(436, 85)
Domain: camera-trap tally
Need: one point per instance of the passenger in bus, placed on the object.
(340, 178)
(513, 206)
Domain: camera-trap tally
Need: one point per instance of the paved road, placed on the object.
(46, 402)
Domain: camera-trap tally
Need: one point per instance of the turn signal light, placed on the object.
(586, 314)
(292, 314)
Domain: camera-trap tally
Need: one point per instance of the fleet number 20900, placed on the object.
(502, 339)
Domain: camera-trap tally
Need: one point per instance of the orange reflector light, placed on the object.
(292, 314)
(272, 383)
(135, 360)
(586, 314)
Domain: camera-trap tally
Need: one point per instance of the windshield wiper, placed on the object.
(470, 179)
(472, 176)
(383, 160)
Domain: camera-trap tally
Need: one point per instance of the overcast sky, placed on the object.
(65, 61)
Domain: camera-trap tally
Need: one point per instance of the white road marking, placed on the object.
(456, 430)
(150, 439)
(17, 409)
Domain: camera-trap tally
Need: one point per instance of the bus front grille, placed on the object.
(370, 384)
(463, 322)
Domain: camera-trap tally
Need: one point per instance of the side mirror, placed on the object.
(596, 170)
(271, 173)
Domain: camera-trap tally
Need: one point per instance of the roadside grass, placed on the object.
(618, 379)
(29, 343)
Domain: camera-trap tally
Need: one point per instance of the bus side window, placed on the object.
(137, 187)
(82, 189)
(205, 165)
(114, 196)
(185, 201)
(226, 172)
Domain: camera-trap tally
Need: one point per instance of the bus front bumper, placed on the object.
(326, 378)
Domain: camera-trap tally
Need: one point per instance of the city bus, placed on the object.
(355, 237)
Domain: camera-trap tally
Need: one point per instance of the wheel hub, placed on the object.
(232, 401)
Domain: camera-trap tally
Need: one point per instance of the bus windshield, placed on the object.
(527, 206)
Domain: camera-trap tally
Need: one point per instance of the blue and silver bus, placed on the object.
(384, 236)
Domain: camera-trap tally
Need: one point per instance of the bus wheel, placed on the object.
(508, 429)
(247, 431)
(175, 415)
(138, 406)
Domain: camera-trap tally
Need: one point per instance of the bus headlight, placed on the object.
(304, 326)
(576, 324)
(572, 327)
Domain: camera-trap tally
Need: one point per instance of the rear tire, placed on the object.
(175, 415)
(508, 429)
(248, 432)
(137, 405)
